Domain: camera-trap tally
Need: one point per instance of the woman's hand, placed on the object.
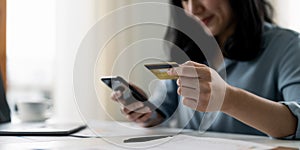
(136, 111)
(201, 87)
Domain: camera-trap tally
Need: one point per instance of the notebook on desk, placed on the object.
(28, 129)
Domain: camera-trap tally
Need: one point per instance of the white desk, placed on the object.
(10, 142)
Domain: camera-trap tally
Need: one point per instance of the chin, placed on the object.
(212, 31)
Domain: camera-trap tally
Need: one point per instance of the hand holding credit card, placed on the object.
(160, 70)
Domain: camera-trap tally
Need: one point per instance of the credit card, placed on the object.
(160, 70)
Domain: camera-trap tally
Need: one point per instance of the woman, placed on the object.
(263, 78)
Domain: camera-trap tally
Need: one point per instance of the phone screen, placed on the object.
(119, 84)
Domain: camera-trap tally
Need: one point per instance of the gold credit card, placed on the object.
(160, 70)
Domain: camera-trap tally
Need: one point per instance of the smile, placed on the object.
(207, 20)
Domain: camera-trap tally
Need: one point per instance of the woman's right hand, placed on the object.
(136, 111)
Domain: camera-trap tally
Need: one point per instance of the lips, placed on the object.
(207, 20)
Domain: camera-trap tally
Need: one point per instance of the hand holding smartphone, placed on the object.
(130, 94)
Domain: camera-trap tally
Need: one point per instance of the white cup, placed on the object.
(33, 111)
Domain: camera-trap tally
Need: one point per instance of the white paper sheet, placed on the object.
(115, 129)
(181, 142)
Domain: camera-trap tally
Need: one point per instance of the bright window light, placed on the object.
(30, 47)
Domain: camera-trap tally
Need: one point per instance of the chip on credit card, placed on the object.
(160, 70)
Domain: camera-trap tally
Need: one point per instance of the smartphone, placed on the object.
(130, 94)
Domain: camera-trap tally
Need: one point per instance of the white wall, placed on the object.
(287, 13)
(74, 19)
(30, 49)
(126, 53)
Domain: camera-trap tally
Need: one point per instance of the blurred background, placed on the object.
(43, 37)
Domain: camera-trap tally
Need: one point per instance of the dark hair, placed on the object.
(244, 44)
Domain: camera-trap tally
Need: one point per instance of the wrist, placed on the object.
(228, 99)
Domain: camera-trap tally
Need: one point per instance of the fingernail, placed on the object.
(118, 94)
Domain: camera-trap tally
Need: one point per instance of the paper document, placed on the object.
(115, 129)
(180, 142)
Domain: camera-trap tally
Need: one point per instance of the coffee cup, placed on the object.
(33, 111)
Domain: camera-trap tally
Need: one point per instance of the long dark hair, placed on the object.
(244, 44)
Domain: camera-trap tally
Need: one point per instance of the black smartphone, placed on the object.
(117, 83)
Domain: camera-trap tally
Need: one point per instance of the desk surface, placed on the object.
(109, 142)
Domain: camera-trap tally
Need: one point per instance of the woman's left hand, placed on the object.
(201, 87)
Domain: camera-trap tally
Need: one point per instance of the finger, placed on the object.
(113, 96)
(144, 118)
(125, 111)
(192, 63)
(178, 82)
(190, 71)
(189, 82)
(198, 85)
(134, 106)
(143, 110)
(121, 101)
(195, 72)
(189, 93)
(190, 103)
(172, 71)
(117, 96)
(134, 116)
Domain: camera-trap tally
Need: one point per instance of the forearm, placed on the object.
(270, 117)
